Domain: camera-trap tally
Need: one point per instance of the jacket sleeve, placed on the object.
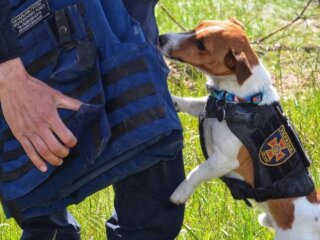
(9, 44)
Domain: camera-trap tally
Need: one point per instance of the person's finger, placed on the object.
(44, 151)
(66, 102)
(63, 133)
(55, 146)
(32, 154)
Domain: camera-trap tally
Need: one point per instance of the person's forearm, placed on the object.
(9, 44)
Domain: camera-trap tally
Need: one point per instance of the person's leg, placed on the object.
(142, 207)
(58, 226)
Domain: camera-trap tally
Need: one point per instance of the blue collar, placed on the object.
(230, 97)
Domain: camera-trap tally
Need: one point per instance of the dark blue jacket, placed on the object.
(10, 47)
(9, 44)
(109, 60)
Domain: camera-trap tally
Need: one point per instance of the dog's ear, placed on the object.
(238, 63)
(236, 21)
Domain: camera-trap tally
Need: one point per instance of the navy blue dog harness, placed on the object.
(279, 160)
(95, 52)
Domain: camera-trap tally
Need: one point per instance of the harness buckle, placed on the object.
(221, 110)
(221, 114)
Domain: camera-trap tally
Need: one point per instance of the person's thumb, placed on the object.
(69, 103)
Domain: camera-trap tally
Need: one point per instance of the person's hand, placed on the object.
(30, 109)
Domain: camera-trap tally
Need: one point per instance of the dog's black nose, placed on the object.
(163, 39)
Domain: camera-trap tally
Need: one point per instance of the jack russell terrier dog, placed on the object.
(256, 159)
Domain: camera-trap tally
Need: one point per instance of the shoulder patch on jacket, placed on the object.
(277, 148)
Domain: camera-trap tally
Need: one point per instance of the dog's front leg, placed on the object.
(192, 106)
(216, 166)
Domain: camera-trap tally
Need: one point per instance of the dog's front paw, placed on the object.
(182, 193)
(176, 101)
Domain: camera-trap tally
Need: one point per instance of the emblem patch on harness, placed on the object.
(277, 148)
(30, 17)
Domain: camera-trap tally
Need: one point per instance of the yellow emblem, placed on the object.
(277, 148)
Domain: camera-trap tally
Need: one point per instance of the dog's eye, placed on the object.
(200, 44)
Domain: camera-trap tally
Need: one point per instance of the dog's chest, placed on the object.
(220, 140)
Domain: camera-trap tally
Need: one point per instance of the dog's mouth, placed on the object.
(164, 53)
(175, 59)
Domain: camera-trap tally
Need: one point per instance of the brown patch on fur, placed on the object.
(282, 211)
(246, 166)
(314, 197)
(238, 63)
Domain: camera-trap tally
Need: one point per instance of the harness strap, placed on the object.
(235, 114)
(230, 97)
(202, 117)
(241, 190)
(222, 110)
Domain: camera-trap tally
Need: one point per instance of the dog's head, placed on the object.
(219, 48)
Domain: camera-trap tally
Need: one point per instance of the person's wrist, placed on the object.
(11, 71)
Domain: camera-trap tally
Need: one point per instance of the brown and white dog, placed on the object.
(221, 50)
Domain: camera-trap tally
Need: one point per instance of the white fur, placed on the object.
(218, 163)
(306, 225)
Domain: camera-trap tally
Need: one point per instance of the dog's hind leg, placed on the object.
(192, 106)
(216, 166)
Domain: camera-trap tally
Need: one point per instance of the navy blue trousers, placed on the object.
(142, 209)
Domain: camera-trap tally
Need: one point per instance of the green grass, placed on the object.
(211, 213)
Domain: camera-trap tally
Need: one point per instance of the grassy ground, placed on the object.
(211, 212)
